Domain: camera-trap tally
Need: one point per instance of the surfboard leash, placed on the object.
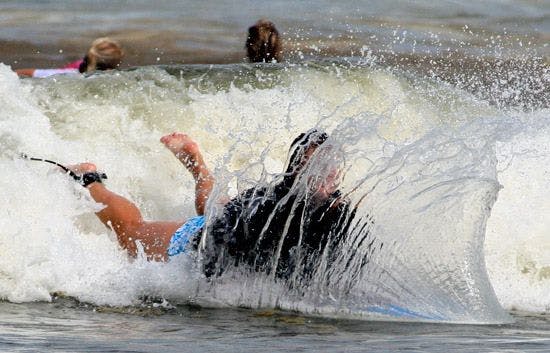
(84, 179)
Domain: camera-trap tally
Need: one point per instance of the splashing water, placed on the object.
(436, 171)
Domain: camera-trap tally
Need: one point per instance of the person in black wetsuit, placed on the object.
(284, 228)
(287, 227)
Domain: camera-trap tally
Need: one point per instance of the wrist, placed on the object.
(90, 178)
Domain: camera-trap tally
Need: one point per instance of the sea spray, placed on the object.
(421, 152)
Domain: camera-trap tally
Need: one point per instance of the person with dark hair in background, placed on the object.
(104, 54)
(263, 43)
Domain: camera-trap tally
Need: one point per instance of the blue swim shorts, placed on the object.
(184, 234)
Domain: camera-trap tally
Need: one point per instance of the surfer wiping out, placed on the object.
(280, 228)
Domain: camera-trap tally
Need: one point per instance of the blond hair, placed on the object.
(104, 54)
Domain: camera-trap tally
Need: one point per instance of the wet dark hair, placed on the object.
(301, 144)
(263, 43)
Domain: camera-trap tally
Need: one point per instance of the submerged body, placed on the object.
(275, 230)
(104, 54)
(284, 228)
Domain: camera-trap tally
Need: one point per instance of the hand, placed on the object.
(82, 168)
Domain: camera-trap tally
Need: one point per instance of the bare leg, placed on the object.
(187, 152)
(125, 219)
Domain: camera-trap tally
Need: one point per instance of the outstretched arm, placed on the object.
(121, 215)
(126, 220)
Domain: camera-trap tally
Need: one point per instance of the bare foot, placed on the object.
(187, 151)
(183, 147)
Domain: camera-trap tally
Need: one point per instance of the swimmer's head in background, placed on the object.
(301, 147)
(263, 43)
(104, 54)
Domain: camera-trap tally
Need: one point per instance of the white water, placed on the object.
(518, 233)
(50, 240)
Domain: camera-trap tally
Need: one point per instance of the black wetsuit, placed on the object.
(256, 224)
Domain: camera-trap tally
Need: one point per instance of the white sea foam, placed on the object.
(518, 233)
(51, 242)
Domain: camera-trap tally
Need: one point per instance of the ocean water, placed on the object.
(440, 115)
(183, 32)
(65, 326)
